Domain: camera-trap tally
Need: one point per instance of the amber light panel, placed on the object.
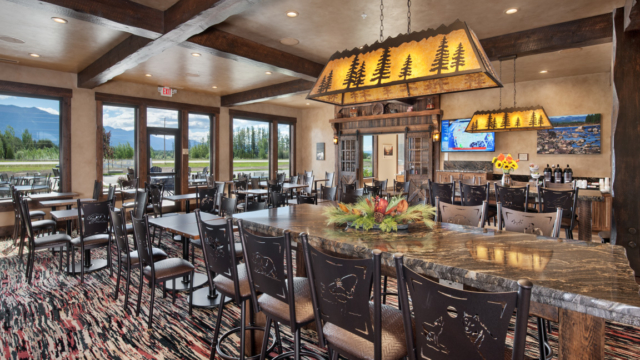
(445, 60)
(511, 119)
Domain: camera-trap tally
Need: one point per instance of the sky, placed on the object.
(241, 123)
(50, 106)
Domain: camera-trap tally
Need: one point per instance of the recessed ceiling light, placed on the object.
(59, 20)
(147, 75)
(10, 39)
(307, 104)
(292, 14)
(195, 54)
(34, 55)
(543, 71)
(360, 47)
(268, 72)
(289, 41)
(214, 87)
(511, 11)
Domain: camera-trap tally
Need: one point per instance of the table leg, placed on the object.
(581, 336)
(584, 218)
(184, 284)
(188, 205)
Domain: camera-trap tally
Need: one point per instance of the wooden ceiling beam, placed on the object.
(196, 15)
(267, 93)
(632, 15)
(229, 46)
(571, 34)
(120, 15)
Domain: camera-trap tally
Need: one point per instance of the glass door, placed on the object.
(162, 158)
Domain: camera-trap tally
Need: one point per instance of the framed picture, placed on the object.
(571, 134)
(523, 157)
(387, 151)
(319, 151)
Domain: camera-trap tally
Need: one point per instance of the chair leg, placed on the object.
(126, 291)
(173, 292)
(109, 259)
(242, 329)
(27, 273)
(140, 289)
(190, 293)
(153, 297)
(265, 339)
(216, 332)
(73, 260)
(296, 345)
(384, 290)
(334, 356)
(82, 265)
(164, 290)
(115, 294)
(61, 259)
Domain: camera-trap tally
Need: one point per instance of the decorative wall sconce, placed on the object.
(335, 140)
(436, 136)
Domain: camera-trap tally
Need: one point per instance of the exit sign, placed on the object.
(166, 91)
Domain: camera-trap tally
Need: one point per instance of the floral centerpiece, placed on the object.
(507, 164)
(377, 213)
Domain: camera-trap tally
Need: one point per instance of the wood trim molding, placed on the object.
(230, 145)
(261, 117)
(632, 15)
(141, 138)
(182, 164)
(137, 101)
(403, 115)
(267, 93)
(99, 142)
(11, 87)
(215, 149)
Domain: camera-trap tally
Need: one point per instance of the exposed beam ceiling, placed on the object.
(267, 93)
(183, 20)
(571, 34)
(632, 15)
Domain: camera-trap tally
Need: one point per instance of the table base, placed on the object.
(96, 264)
(200, 279)
(201, 299)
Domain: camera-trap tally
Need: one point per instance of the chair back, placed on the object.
(549, 200)
(140, 203)
(308, 173)
(119, 230)
(219, 250)
(143, 243)
(328, 193)
(255, 183)
(279, 199)
(471, 181)
(541, 224)
(473, 215)
(311, 199)
(220, 187)
(514, 198)
(340, 291)
(471, 195)
(156, 195)
(97, 190)
(255, 206)
(293, 180)
(559, 186)
(280, 178)
(211, 182)
(229, 206)
(445, 191)
(95, 217)
(206, 199)
(459, 324)
(155, 169)
(22, 207)
(17, 211)
(382, 184)
(5, 192)
(56, 172)
(111, 195)
(267, 272)
(352, 197)
(372, 190)
(329, 176)
(128, 185)
(400, 186)
(308, 180)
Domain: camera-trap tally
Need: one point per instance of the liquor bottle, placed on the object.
(557, 174)
(568, 175)
(547, 174)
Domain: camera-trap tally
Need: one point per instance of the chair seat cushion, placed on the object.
(304, 305)
(169, 268)
(52, 240)
(42, 224)
(129, 228)
(158, 254)
(36, 213)
(226, 285)
(91, 240)
(237, 247)
(393, 338)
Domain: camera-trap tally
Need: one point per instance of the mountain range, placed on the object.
(41, 124)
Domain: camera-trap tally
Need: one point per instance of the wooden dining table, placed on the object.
(577, 284)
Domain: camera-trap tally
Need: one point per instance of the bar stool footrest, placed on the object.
(238, 329)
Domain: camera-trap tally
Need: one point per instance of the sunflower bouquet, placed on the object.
(376, 213)
(506, 163)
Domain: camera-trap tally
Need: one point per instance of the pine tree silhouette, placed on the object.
(532, 121)
(329, 81)
(491, 122)
(517, 124)
(360, 76)
(474, 126)
(505, 121)
(323, 85)
(382, 69)
(442, 57)
(406, 68)
(458, 57)
(350, 79)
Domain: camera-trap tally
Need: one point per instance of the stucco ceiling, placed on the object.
(157, 4)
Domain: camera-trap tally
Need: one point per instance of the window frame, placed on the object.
(213, 134)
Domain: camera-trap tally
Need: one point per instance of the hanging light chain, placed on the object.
(409, 17)
(381, 21)
(501, 87)
(514, 82)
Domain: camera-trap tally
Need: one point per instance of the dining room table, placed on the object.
(68, 203)
(186, 226)
(52, 196)
(577, 284)
(31, 188)
(183, 197)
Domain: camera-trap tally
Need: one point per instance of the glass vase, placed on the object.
(506, 180)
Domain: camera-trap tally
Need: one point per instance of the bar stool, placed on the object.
(231, 281)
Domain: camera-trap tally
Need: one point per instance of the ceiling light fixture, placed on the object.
(214, 87)
(195, 54)
(307, 104)
(511, 11)
(543, 71)
(268, 72)
(10, 39)
(59, 20)
(292, 14)
(34, 55)
(147, 75)
(289, 41)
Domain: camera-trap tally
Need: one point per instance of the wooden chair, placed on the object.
(541, 224)
(445, 191)
(549, 200)
(473, 195)
(93, 231)
(459, 324)
(285, 298)
(328, 193)
(206, 199)
(348, 322)
(473, 215)
(228, 206)
(514, 198)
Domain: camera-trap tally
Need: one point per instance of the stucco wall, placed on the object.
(387, 167)
(585, 94)
(314, 127)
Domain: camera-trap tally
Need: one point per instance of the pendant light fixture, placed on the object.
(434, 61)
(509, 119)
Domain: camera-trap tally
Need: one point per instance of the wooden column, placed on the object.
(626, 169)
(273, 151)
(215, 147)
(182, 159)
(65, 148)
(580, 337)
(142, 163)
(99, 141)
(292, 150)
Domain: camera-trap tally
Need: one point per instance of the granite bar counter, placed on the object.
(587, 278)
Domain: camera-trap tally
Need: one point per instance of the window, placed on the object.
(29, 136)
(199, 143)
(284, 149)
(367, 156)
(250, 147)
(118, 124)
(162, 127)
(162, 118)
(400, 153)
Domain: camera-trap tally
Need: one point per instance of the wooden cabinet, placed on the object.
(445, 176)
(601, 214)
(418, 156)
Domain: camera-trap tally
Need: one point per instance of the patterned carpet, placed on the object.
(57, 318)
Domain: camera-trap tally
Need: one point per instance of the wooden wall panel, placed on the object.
(65, 144)
(142, 166)
(99, 141)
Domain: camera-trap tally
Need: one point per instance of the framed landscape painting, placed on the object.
(573, 134)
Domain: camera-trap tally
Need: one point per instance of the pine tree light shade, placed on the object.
(445, 60)
(511, 119)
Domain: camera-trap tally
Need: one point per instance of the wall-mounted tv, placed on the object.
(455, 139)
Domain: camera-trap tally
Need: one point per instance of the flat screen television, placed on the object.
(455, 139)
